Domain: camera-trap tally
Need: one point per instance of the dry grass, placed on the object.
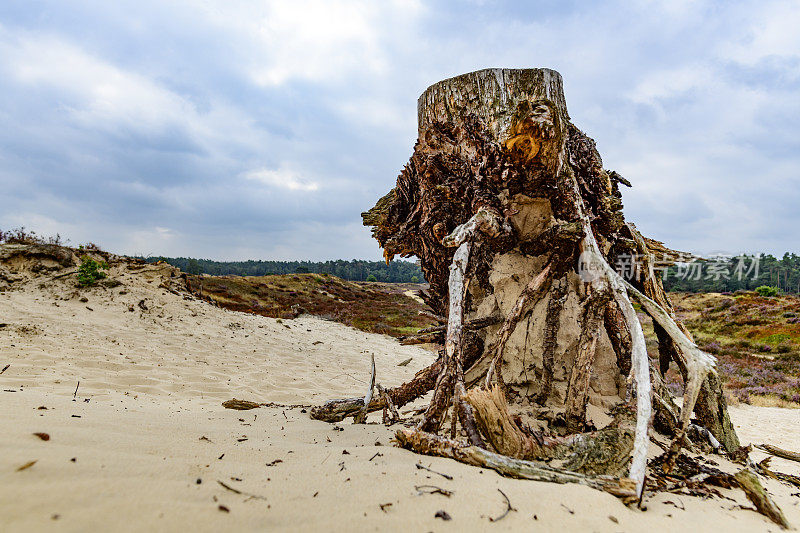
(772, 401)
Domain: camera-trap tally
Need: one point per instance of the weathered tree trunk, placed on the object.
(516, 225)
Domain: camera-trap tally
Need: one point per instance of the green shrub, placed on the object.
(372, 277)
(89, 273)
(767, 291)
(414, 279)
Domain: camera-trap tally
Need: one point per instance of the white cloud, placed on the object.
(315, 40)
(283, 178)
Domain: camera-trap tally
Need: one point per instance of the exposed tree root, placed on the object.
(531, 294)
(554, 307)
(429, 444)
(697, 363)
(578, 388)
(436, 334)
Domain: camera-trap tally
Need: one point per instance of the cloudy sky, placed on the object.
(231, 129)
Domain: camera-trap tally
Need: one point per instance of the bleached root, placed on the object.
(487, 221)
(698, 364)
(361, 417)
(600, 277)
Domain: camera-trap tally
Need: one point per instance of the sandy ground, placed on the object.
(145, 444)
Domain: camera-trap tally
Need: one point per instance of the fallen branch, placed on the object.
(432, 489)
(779, 452)
(429, 444)
(338, 410)
(237, 491)
(423, 467)
(749, 483)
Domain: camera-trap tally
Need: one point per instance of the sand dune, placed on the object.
(145, 442)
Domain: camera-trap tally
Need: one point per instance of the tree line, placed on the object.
(354, 270)
(721, 274)
(728, 274)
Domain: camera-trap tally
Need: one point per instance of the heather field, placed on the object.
(756, 340)
(373, 307)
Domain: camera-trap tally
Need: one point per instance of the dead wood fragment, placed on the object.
(237, 491)
(763, 466)
(432, 489)
(423, 467)
(599, 452)
(755, 492)
(390, 414)
(779, 452)
(496, 424)
(240, 405)
(27, 465)
(429, 444)
(435, 334)
(507, 510)
(338, 410)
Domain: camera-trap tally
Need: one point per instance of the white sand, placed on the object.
(155, 380)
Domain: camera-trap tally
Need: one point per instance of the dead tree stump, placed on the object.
(503, 187)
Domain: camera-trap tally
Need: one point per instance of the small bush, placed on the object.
(767, 291)
(372, 278)
(89, 273)
(22, 236)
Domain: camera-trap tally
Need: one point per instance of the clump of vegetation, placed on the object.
(767, 291)
(91, 271)
(22, 236)
(371, 278)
